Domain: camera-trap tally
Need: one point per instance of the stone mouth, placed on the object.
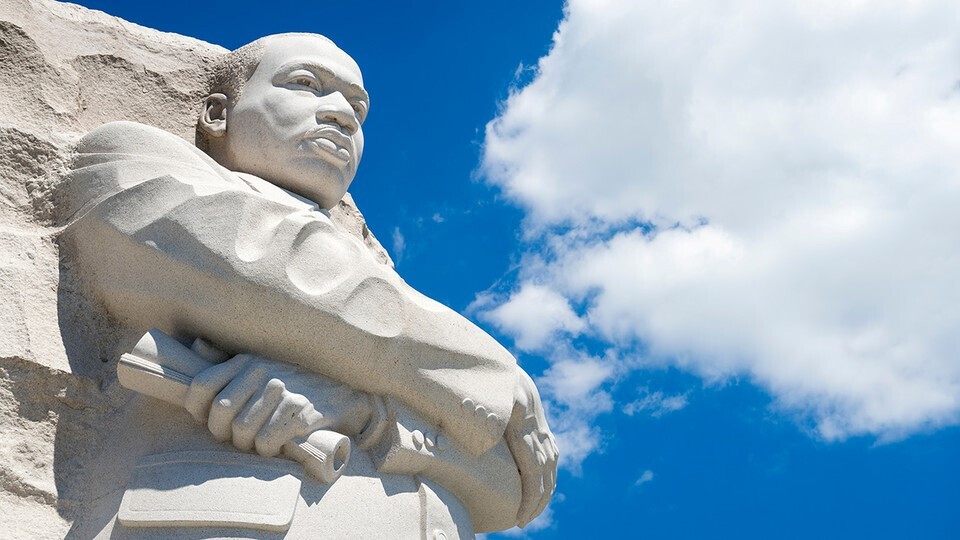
(328, 149)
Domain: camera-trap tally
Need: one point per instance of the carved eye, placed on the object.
(306, 81)
(360, 109)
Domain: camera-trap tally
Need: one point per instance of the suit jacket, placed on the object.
(170, 239)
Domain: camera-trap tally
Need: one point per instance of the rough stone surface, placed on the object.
(65, 70)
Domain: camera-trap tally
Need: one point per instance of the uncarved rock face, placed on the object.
(297, 122)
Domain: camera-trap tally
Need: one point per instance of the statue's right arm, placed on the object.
(168, 239)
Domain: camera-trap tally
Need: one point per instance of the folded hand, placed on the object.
(260, 404)
(534, 449)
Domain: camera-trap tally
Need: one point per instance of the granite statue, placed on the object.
(228, 246)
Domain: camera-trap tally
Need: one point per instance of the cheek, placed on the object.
(286, 111)
(358, 140)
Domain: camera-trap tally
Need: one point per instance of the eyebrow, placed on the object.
(318, 69)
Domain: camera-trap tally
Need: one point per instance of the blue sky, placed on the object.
(722, 236)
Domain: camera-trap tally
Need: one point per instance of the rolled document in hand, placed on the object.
(163, 368)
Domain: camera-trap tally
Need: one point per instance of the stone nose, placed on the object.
(336, 109)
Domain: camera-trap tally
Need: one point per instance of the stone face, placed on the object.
(112, 223)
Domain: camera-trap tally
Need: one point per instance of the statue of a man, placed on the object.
(241, 251)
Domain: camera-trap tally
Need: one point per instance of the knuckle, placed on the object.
(296, 400)
(265, 445)
(221, 405)
(275, 384)
(257, 369)
(241, 425)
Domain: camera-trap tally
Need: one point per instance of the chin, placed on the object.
(327, 202)
(324, 185)
(326, 198)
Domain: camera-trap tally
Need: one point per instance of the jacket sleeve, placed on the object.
(169, 239)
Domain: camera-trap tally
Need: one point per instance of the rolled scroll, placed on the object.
(163, 368)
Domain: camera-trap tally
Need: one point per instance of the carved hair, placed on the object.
(232, 70)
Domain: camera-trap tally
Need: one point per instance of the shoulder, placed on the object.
(132, 138)
(119, 156)
(131, 147)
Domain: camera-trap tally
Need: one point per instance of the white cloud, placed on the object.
(656, 404)
(576, 382)
(543, 521)
(646, 477)
(533, 315)
(795, 168)
(399, 243)
(574, 391)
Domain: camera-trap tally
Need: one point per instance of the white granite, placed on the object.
(315, 375)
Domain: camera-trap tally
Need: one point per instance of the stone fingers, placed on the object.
(232, 399)
(209, 382)
(524, 455)
(312, 420)
(554, 459)
(532, 494)
(258, 411)
(537, 462)
(549, 446)
(553, 445)
(285, 423)
(549, 482)
(241, 400)
(545, 468)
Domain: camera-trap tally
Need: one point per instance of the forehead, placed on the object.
(285, 52)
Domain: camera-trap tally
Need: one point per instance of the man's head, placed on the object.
(288, 108)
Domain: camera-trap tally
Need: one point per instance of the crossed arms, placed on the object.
(170, 239)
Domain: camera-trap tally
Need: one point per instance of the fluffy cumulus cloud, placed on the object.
(574, 385)
(533, 315)
(769, 189)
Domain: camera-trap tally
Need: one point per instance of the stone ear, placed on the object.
(213, 118)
